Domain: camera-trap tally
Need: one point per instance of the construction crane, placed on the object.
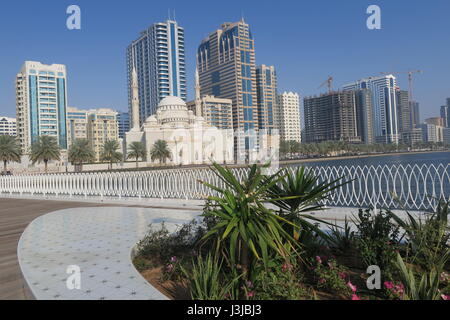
(329, 83)
(410, 79)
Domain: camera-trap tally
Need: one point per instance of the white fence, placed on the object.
(414, 187)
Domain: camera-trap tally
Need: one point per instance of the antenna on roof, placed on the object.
(168, 12)
(174, 15)
(242, 16)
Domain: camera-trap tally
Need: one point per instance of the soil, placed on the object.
(172, 290)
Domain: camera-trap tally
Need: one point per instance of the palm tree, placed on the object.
(9, 150)
(160, 151)
(110, 153)
(81, 152)
(45, 148)
(137, 150)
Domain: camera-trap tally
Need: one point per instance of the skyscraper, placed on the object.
(404, 112)
(159, 58)
(289, 106)
(384, 101)
(364, 115)
(266, 88)
(445, 114)
(123, 121)
(41, 103)
(415, 114)
(226, 67)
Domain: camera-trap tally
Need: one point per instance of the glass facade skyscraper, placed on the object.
(266, 83)
(384, 103)
(159, 58)
(41, 103)
(226, 67)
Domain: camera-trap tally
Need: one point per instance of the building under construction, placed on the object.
(339, 116)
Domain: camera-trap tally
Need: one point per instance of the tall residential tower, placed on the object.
(266, 85)
(384, 103)
(226, 67)
(159, 58)
(41, 103)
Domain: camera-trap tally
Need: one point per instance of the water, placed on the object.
(434, 158)
(414, 181)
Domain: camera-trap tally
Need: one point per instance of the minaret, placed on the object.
(135, 101)
(198, 102)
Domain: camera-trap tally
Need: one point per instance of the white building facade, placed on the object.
(8, 126)
(290, 122)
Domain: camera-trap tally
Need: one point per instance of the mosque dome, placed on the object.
(172, 110)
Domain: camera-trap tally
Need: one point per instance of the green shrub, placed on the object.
(331, 277)
(277, 284)
(342, 239)
(427, 238)
(206, 280)
(377, 239)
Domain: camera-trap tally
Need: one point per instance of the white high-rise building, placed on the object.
(289, 108)
(8, 126)
(159, 59)
(384, 106)
(41, 103)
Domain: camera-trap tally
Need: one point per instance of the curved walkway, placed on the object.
(97, 240)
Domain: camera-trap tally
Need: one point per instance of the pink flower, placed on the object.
(249, 284)
(322, 281)
(351, 286)
(318, 259)
(250, 294)
(285, 267)
(355, 297)
(388, 285)
(173, 259)
(445, 297)
(342, 275)
(170, 268)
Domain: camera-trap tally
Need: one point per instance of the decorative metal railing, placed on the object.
(414, 187)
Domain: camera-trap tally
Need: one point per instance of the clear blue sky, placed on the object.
(305, 40)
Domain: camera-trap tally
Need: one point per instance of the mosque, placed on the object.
(189, 138)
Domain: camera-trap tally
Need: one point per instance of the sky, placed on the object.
(305, 40)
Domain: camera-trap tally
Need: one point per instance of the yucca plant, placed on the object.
(246, 230)
(206, 280)
(299, 192)
(427, 238)
(425, 289)
(343, 238)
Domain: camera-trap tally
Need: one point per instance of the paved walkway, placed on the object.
(15, 215)
(99, 242)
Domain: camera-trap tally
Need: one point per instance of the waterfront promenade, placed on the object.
(16, 215)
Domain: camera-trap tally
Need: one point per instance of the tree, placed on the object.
(81, 152)
(137, 150)
(110, 153)
(160, 151)
(9, 150)
(44, 149)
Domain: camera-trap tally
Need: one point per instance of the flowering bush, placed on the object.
(395, 291)
(330, 276)
(172, 270)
